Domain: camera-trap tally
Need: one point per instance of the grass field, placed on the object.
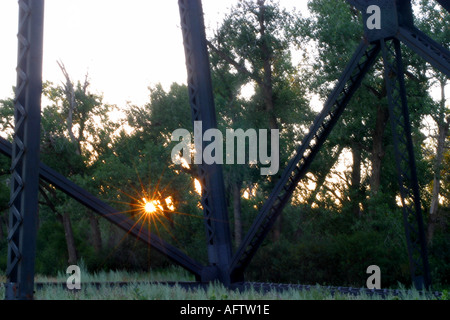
(146, 291)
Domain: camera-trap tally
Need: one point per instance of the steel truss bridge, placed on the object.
(224, 265)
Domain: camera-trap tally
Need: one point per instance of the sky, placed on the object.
(124, 46)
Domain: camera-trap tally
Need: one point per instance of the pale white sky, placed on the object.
(124, 45)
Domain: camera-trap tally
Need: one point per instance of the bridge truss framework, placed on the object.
(223, 265)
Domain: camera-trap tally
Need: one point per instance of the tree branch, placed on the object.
(239, 67)
(70, 96)
(47, 202)
(379, 94)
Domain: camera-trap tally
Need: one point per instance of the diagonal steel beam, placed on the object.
(445, 4)
(363, 59)
(427, 48)
(111, 214)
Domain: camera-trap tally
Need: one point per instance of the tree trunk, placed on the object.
(113, 234)
(267, 90)
(95, 232)
(443, 130)
(70, 240)
(70, 97)
(355, 188)
(378, 151)
(2, 233)
(237, 213)
(267, 85)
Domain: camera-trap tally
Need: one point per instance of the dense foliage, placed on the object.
(267, 64)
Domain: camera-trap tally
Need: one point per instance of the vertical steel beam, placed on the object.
(406, 164)
(25, 157)
(203, 109)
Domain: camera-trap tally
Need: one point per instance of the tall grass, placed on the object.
(213, 292)
(173, 273)
(142, 289)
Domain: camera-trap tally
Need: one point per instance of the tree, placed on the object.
(140, 165)
(434, 20)
(335, 27)
(252, 47)
(336, 31)
(76, 131)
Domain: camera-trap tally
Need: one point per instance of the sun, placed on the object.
(149, 207)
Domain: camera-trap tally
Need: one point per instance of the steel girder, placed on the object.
(445, 4)
(427, 48)
(210, 175)
(406, 163)
(25, 153)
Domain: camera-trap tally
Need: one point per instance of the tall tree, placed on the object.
(252, 48)
(76, 130)
(434, 20)
(335, 28)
